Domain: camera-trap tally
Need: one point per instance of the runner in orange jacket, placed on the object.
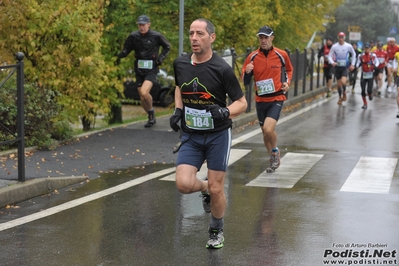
(272, 70)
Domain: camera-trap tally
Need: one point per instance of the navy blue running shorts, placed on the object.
(269, 109)
(213, 147)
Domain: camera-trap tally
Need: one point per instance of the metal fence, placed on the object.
(16, 137)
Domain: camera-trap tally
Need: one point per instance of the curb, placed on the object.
(36, 187)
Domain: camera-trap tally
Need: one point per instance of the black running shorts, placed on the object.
(268, 109)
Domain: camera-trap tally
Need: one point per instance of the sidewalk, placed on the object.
(98, 152)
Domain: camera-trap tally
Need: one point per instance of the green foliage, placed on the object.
(61, 42)
(236, 22)
(374, 17)
(45, 120)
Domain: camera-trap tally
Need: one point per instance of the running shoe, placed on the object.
(364, 106)
(379, 92)
(216, 238)
(339, 101)
(370, 97)
(206, 201)
(397, 116)
(353, 91)
(151, 121)
(274, 162)
(344, 96)
(328, 94)
(389, 89)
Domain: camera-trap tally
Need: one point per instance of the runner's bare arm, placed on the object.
(237, 107)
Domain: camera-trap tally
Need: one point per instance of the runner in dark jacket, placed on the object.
(327, 67)
(146, 43)
(353, 73)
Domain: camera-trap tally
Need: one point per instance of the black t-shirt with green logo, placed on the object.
(205, 84)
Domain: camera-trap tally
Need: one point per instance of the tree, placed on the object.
(237, 22)
(119, 17)
(374, 17)
(299, 19)
(61, 42)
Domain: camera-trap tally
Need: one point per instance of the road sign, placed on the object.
(355, 36)
(354, 29)
(393, 30)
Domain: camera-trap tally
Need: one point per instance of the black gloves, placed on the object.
(175, 118)
(159, 61)
(218, 113)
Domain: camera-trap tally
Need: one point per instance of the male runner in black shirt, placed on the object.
(146, 43)
(203, 80)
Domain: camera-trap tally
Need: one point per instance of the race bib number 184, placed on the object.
(198, 119)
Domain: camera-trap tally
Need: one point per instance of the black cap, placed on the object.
(265, 30)
(330, 38)
(143, 19)
(367, 45)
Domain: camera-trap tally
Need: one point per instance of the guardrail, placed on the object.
(20, 134)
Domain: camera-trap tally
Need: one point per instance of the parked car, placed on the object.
(162, 92)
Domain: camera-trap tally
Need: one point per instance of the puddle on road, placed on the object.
(106, 180)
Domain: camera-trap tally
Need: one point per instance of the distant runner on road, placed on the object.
(339, 58)
(327, 67)
(368, 62)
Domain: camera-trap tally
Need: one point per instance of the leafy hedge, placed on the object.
(45, 122)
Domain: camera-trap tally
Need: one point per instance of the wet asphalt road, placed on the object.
(318, 219)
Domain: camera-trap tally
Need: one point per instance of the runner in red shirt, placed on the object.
(392, 49)
(367, 61)
(382, 56)
(327, 67)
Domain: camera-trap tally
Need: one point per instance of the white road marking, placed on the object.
(371, 175)
(293, 167)
(83, 200)
(235, 155)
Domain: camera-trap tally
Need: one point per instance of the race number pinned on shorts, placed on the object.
(198, 119)
(145, 64)
(265, 86)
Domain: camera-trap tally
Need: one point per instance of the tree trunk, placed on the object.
(85, 124)
(116, 114)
